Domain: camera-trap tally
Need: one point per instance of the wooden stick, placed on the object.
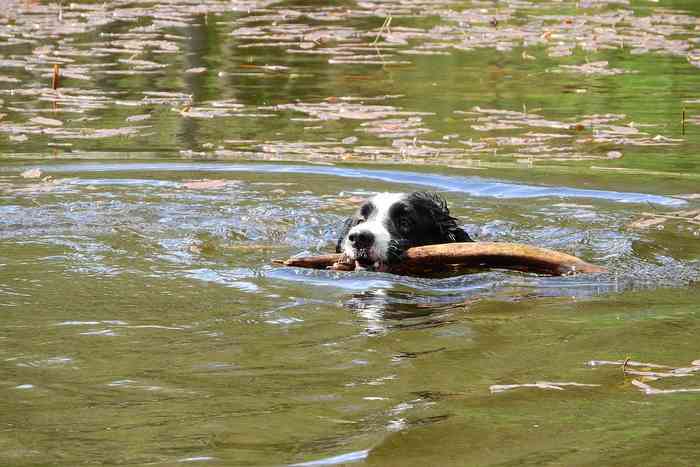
(477, 255)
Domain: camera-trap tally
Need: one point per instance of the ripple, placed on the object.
(473, 186)
(355, 456)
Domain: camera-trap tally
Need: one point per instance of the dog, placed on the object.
(388, 224)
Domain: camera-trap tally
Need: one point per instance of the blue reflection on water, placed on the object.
(474, 186)
(341, 459)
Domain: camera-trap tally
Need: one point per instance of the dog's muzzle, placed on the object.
(365, 254)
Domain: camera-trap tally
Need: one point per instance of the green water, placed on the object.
(141, 319)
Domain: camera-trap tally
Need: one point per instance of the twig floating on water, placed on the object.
(650, 391)
(496, 388)
(626, 363)
(387, 22)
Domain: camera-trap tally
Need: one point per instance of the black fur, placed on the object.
(420, 218)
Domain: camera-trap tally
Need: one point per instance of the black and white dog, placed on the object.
(386, 225)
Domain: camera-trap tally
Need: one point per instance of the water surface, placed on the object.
(190, 143)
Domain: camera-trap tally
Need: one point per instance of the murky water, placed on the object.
(190, 143)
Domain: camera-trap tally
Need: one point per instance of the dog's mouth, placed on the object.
(364, 261)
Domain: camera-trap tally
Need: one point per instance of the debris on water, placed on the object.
(651, 219)
(138, 118)
(592, 68)
(142, 42)
(496, 388)
(650, 391)
(55, 83)
(594, 363)
(654, 375)
(396, 127)
(32, 173)
(46, 121)
(208, 184)
(646, 223)
(647, 374)
(45, 185)
(341, 110)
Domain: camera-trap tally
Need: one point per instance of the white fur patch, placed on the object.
(376, 224)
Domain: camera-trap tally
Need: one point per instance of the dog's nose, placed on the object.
(362, 239)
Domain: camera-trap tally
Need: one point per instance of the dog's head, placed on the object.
(386, 225)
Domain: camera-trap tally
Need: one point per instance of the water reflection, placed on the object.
(383, 309)
(335, 460)
(472, 186)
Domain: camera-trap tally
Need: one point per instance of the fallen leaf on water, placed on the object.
(625, 363)
(207, 184)
(46, 121)
(653, 375)
(44, 186)
(666, 139)
(196, 70)
(648, 390)
(591, 68)
(646, 374)
(138, 118)
(646, 223)
(32, 173)
(690, 213)
(686, 370)
(496, 388)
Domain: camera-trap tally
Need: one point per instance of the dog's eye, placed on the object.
(366, 210)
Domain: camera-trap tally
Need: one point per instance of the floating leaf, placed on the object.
(32, 173)
(592, 68)
(208, 184)
(46, 121)
(648, 390)
(646, 223)
(496, 388)
(138, 118)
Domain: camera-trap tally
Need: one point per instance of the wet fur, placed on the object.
(398, 222)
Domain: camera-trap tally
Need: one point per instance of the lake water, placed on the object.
(188, 144)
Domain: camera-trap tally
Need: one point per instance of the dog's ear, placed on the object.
(458, 234)
(350, 222)
(450, 231)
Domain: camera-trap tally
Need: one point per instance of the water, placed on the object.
(143, 322)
